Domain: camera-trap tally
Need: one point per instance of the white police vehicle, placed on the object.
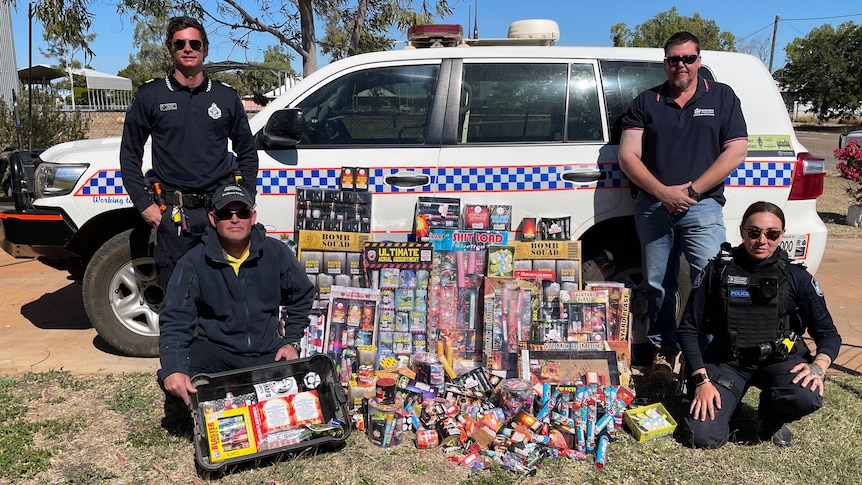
(509, 121)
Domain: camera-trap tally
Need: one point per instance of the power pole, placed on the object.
(772, 50)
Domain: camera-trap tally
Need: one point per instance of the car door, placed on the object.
(378, 117)
(530, 133)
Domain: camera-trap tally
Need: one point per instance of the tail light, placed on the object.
(808, 177)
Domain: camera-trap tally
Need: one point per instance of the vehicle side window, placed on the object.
(624, 80)
(512, 103)
(585, 117)
(387, 105)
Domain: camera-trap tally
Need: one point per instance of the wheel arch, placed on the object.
(96, 232)
(609, 247)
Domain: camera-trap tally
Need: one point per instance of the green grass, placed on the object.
(109, 429)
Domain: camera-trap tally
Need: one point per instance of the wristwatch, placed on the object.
(694, 195)
(297, 346)
(700, 379)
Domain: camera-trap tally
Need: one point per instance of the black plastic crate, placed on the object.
(330, 393)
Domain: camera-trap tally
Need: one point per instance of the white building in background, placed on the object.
(8, 65)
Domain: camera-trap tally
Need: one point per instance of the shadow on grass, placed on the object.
(744, 425)
(831, 217)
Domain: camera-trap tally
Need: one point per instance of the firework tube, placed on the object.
(561, 419)
(447, 366)
(581, 443)
(450, 355)
(462, 279)
(601, 451)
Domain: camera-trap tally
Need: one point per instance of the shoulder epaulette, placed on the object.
(725, 255)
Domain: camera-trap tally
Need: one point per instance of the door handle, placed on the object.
(584, 175)
(408, 179)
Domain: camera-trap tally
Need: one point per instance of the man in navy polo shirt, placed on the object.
(680, 142)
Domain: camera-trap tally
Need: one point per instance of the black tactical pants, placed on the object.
(781, 400)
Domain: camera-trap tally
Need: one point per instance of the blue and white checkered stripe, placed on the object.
(282, 182)
(762, 174)
(460, 179)
(104, 182)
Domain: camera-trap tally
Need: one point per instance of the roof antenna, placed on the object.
(476, 22)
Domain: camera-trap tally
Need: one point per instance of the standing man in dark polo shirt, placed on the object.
(680, 142)
(190, 118)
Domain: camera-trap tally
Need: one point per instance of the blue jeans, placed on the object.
(696, 233)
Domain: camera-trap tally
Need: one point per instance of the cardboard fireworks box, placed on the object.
(455, 289)
(649, 422)
(330, 259)
(333, 210)
(401, 271)
(511, 306)
(231, 422)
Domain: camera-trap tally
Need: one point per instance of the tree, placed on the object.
(65, 54)
(260, 77)
(759, 47)
(366, 27)
(825, 68)
(655, 32)
(291, 23)
(50, 125)
(152, 59)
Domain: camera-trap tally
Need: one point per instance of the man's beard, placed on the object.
(682, 84)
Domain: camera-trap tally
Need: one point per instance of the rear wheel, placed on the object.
(122, 296)
(604, 266)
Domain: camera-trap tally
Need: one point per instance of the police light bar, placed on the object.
(435, 35)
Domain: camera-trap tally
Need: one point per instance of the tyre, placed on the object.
(603, 266)
(122, 296)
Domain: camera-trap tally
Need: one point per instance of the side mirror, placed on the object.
(283, 129)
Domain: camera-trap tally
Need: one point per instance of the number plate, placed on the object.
(796, 245)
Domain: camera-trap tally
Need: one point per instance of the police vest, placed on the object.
(753, 302)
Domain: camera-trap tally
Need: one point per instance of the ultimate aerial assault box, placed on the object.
(266, 411)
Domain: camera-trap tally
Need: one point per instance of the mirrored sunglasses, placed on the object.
(755, 232)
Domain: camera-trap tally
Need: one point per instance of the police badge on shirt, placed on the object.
(214, 111)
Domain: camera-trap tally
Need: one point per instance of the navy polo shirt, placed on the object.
(680, 144)
(190, 129)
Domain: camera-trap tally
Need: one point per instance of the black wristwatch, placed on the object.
(694, 195)
(700, 379)
(297, 346)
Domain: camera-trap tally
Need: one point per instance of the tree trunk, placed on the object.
(309, 44)
(361, 10)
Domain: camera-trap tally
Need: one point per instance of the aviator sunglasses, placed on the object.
(195, 44)
(755, 232)
(227, 214)
(674, 60)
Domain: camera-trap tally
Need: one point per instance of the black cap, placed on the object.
(230, 193)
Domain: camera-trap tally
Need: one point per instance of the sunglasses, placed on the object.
(755, 232)
(180, 44)
(674, 60)
(227, 214)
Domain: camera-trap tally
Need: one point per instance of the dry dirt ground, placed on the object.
(43, 325)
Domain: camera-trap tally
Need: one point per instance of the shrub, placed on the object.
(850, 167)
(50, 125)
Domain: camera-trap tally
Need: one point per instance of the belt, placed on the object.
(190, 200)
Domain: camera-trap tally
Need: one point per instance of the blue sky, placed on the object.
(581, 23)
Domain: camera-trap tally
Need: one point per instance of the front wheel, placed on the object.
(122, 296)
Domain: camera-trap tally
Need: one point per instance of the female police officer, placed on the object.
(743, 326)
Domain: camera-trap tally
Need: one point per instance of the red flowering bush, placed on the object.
(850, 166)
